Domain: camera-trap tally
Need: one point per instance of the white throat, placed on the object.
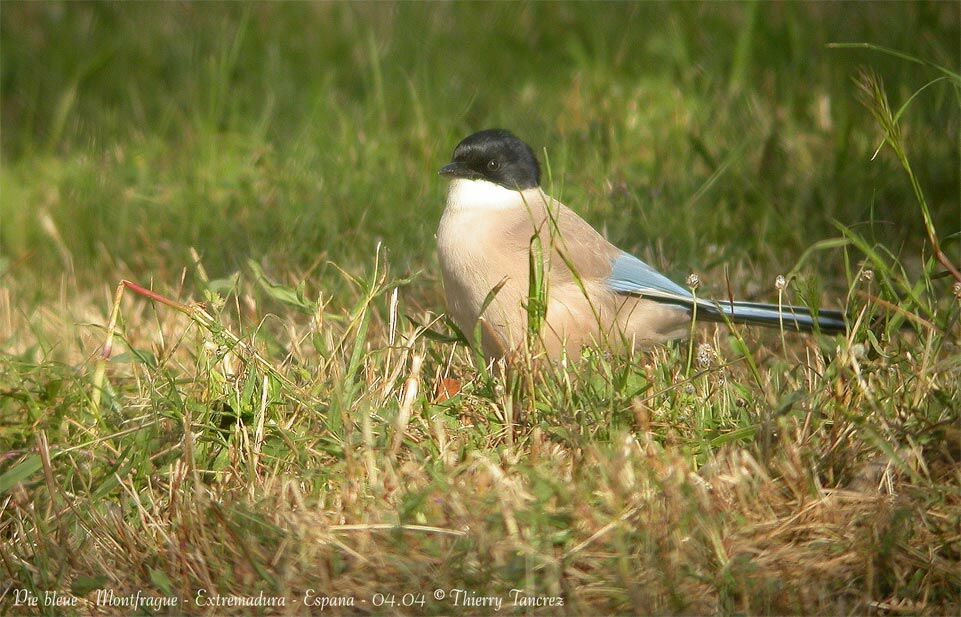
(466, 194)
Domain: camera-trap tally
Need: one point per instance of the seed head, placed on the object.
(705, 356)
(693, 280)
(780, 282)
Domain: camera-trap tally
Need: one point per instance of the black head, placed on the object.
(497, 156)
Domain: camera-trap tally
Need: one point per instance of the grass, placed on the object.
(300, 416)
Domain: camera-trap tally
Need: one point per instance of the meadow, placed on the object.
(277, 413)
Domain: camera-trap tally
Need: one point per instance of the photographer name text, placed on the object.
(456, 598)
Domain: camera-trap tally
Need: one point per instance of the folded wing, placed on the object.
(631, 276)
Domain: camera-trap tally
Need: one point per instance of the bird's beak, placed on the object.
(454, 170)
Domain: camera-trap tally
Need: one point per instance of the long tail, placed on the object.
(771, 315)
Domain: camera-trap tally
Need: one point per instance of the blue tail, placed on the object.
(630, 275)
(771, 315)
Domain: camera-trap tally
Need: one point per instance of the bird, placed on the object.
(497, 214)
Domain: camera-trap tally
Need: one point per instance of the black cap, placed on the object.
(495, 155)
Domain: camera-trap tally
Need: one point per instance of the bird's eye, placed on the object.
(493, 164)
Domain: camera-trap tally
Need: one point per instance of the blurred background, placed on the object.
(695, 134)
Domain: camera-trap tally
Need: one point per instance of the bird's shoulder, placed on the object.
(572, 239)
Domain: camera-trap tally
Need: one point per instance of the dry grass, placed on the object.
(350, 479)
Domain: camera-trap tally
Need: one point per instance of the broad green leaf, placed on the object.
(20, 472)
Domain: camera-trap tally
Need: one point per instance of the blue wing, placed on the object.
(632, 276)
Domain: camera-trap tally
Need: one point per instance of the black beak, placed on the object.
(454, 170)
